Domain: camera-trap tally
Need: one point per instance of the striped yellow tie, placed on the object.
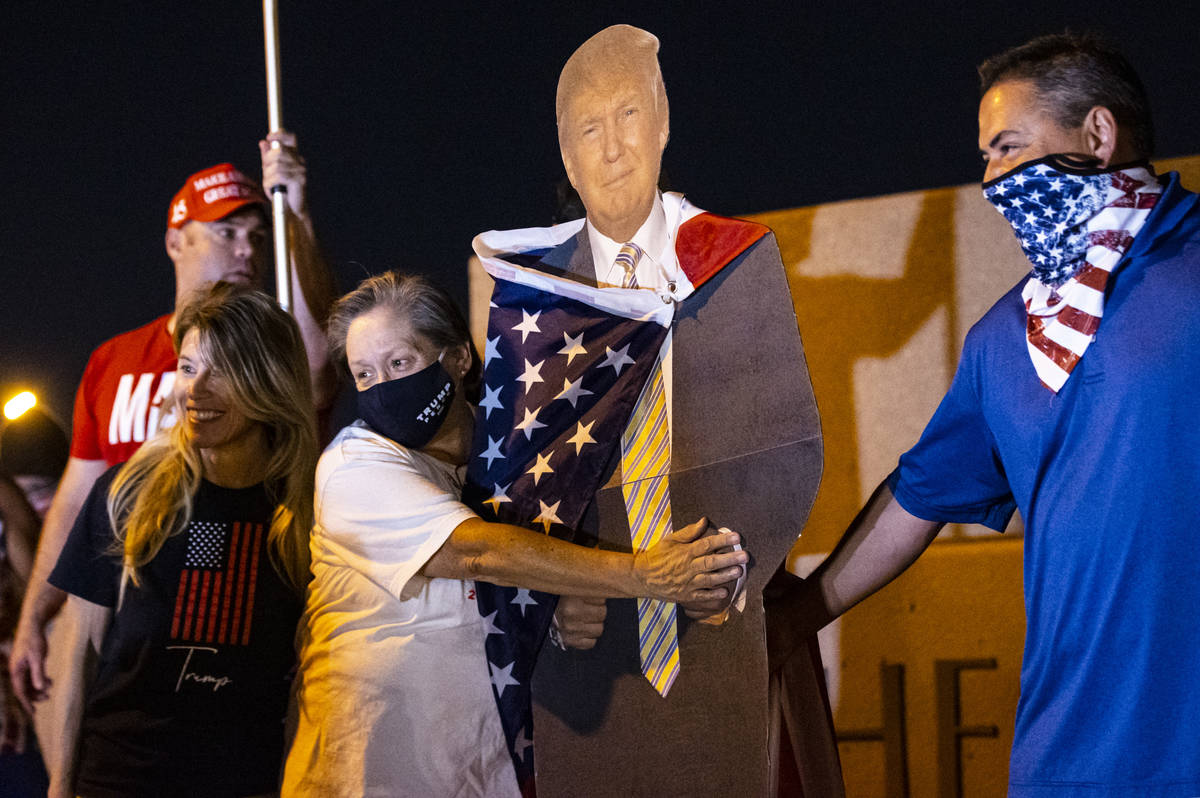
(645, 461)
(628, 259)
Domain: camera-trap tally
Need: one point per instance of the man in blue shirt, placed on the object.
(1076, 401)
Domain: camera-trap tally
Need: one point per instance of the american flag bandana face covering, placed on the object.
(1074, 223)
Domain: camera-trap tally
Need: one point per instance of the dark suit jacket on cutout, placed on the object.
(746, 452)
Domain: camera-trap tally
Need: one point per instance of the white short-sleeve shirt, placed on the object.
(394, 695)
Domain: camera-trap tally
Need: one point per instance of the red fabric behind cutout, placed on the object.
(706, 243)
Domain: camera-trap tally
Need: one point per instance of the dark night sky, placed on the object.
(422, 128)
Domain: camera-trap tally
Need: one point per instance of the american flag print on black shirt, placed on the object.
(215, 601)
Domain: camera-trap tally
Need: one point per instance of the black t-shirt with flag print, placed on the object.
(191, 689)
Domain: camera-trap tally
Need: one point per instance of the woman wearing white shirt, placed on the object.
(394, 696)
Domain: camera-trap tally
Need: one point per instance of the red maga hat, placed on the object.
(213, 194)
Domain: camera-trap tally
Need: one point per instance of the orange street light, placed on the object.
(17, 406)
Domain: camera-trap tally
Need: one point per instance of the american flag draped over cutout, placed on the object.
(564, 365)
(561, 377)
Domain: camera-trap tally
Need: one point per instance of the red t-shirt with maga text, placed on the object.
(124, 396)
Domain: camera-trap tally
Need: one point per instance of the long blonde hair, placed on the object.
(258, 347)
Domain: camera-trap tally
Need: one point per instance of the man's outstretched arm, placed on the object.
(882, 541)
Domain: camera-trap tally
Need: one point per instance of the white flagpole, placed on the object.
(283, 271)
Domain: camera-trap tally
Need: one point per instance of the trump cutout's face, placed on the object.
(612, 142)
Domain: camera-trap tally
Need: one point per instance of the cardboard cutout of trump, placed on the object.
(718, 421)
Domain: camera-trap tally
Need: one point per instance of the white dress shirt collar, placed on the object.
(658, 268)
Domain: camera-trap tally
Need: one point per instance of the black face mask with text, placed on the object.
(409, 410)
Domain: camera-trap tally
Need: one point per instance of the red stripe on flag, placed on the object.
(1126, 183)
(1078, 320)
(1117, 240)
(240, 592)
(179, 604)
(258, 536)
(191, 606)
(202, 606)
(230, 571)
(214, 611)
(1063, 357)
(1093, 278)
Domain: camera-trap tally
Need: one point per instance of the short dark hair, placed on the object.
(429, 309)
(1073, 73)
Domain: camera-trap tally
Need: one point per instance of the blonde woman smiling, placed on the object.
(197, 550)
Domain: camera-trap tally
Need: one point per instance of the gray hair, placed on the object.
(429, 309)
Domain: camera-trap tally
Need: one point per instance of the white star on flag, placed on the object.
(492, 452)
(521, 743)
(573, 391)
(489, 624)
(542, 466)
(528, 324)
(502, 677)
(499, 497)
(582, 435)
(523, 599)
(618, 359)
(490, 350)
(572, 347)
(532, 375)
(491, 400)
(529, 423)
(548, 516)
